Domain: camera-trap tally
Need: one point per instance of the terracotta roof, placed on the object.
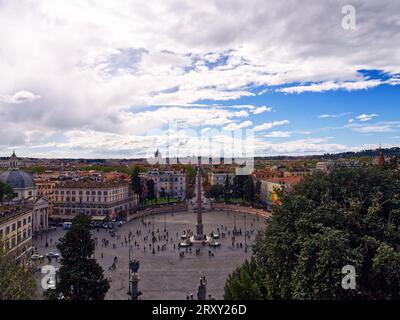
(293, 180)
(91, 184)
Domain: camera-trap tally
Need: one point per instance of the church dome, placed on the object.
(17, 179)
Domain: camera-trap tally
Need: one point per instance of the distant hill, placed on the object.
(388, 152)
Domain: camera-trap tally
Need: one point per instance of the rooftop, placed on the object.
(91, 184)
(9, 212)
(286, 180)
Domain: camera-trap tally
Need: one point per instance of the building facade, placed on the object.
(92, 198)
(219, 178)
(171, 184)
(16, 229)
(25, 194)
(270, 188)
(45, 188)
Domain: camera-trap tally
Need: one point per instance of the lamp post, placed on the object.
(234, 221)
(245, 234)
(129, 261)
(152, 238)
(47, 244)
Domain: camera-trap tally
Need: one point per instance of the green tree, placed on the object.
(16, 282)
(227, 188)
(151, 195)
(136, 181)
(248, 189)
(257, 190)
(6, 192)
(80, 277)
(191, 172)
(243, 283)
(346, 217)
(216, 191)
(237, 186)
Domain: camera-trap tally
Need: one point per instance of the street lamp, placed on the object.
(152, 238)
(47, 244)
(129, 261)
(245, 234)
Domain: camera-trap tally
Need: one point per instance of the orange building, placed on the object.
(45, 188)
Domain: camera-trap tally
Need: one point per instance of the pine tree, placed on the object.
(151, 195)
(227, 188)
(136, 182)
(80, 277)
(248, 189)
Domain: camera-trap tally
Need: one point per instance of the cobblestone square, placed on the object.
(165, 275)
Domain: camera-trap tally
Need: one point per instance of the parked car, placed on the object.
(215, 244)
(53, 255)
(36, 256)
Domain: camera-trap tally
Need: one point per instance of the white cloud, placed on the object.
(338, 115)
(329, 85)
(238, 126)
(308, 146)
(379, 127)
(19, 97)
(278, 134)
(262, 109)
(102, 66)
(366, 117)
(270, 125)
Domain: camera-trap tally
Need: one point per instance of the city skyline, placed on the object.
(83, 79)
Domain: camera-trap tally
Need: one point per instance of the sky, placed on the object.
(119, 79)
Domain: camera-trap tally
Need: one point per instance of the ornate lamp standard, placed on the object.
(153, 236)
(129, 261)
(245, 233)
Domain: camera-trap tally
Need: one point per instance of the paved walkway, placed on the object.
(166, 275)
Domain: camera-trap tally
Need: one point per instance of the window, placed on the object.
(13, 227)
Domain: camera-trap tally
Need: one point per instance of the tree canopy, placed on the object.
(347, 217)
(16, 283)
(80, 277)
(6, 192)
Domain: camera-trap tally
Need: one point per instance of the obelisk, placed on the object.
(199, 225)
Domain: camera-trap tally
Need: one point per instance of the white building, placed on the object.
(25, 194)
(170, 183)
(215, 178)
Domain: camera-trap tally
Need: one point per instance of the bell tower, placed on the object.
(13, 163)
